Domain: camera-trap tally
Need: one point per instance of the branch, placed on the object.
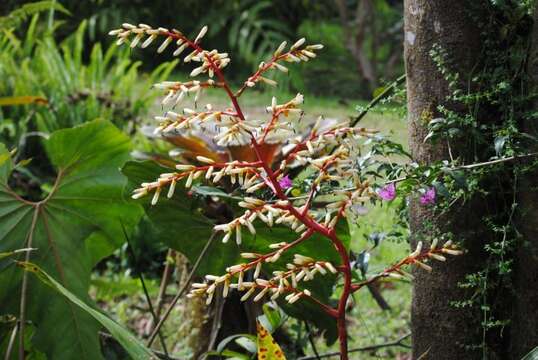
(378, 98)
(497, 161)
(144, 288)
(12, 339)
(398, 342)
(311, 340)
(415, 258)
(164, 282)
(182, 290)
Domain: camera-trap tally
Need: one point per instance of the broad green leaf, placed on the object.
(76, 225)
(181, 225)
(177, 224)
(131, 344)
(268, 349)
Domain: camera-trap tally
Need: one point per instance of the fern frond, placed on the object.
(17, 16)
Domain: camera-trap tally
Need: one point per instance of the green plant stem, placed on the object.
(311, 340)
(164, 282)
(11, 341)
(497, 161)
(182, 290)
(144, 287)
(50, 23)
(377, 99)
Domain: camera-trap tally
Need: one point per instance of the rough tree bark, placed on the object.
(525, 316)
(439, 329)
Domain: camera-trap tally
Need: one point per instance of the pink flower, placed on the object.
(285, 182)
(428, 197)
(387, 192)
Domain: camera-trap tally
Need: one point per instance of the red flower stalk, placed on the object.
(254, 178)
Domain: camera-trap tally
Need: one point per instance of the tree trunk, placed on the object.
(525, 316)
(439, 329)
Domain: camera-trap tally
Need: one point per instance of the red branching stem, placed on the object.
(340, 248)
(346, 292)
(307, 234)
(270, 126)
(313, 225)
(326, 308)
(261, 70)
(178, 35)
(337, 243)
(314, 187)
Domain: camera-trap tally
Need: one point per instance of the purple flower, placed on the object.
(387, 192)
(428, 197)
(285, 182)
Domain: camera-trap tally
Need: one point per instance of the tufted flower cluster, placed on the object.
(327, 151)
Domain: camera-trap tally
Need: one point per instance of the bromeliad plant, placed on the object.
(330, 153)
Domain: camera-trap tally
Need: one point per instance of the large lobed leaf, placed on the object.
(76, 225)
(181, 225)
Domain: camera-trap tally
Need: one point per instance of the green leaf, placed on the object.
(213, 191)
(177, 223)
(234, 355)
(180, 224)
(221, 347)
(22, 100)
(75, 226)
(14, 252)
(272, 316)
(441, 189)
(131, 344)
(459, 178)
(247, 343)
(533, 355)
(20, 14)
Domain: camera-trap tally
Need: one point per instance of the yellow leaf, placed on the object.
(22, 100)
(268, 349)
(378, 91)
